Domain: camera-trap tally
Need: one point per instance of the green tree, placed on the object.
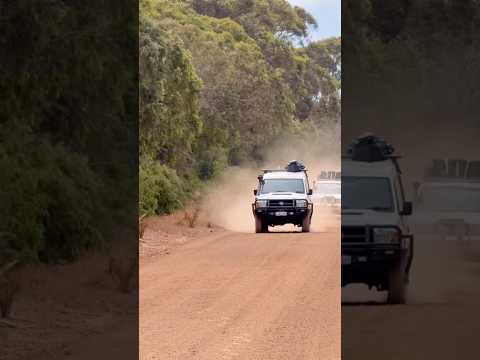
(169, 121)
(222, 80)
(67, 114)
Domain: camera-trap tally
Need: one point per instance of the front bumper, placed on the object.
(370, 263)
(361, 254)
(283, 215)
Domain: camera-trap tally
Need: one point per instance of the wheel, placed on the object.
(397, 284)
(260, 226)
(306, 224)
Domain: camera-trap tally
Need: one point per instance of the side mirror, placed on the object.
(407, 208)
(310, 192)
(255, 191)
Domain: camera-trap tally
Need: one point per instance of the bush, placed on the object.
(212, 162)
(68, 135)
(51, 202)
(161, 190)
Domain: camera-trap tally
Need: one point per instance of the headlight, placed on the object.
(386, 235)
(261, 203)
(301, 203)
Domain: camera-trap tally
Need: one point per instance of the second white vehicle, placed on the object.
(327, 192)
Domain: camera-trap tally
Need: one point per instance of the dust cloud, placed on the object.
(319, 150)
(228, 201)
(435, 278)
(326, 219)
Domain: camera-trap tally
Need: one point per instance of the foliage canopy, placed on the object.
(222, 79)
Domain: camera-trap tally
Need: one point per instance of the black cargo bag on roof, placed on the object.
(295, 166)
(370, 148)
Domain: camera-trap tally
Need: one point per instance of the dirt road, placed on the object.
(440, 320)
(228, 295)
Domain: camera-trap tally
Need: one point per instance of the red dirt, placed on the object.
(208, 293)
(60, 307)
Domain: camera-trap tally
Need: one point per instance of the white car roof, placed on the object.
(284, 175)
(369, 169)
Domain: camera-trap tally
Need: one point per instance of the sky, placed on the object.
(328, 16)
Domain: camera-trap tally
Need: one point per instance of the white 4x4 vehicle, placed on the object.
(327, 192)
(447, 203)
(377, 245)
(282, 197)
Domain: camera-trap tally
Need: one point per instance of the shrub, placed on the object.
(161, 190)
(51, 202)
(212, 162)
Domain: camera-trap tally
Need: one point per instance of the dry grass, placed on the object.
(122, 270)
(142, 225)
(190, 217)
(8, 289)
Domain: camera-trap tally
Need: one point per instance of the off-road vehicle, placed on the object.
(447, 202)
(327, 189)
(377, 245)
(283, 197)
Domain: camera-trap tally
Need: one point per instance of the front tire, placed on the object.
(260, 226)
(306, 224)
(397, 284)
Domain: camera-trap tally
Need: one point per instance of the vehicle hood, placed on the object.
(283, 196)
(363, 217)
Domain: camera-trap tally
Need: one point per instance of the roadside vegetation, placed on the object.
(67, 115)
(220, 81)
(420, 61)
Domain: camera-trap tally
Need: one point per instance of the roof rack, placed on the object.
(370, 148)
(295, 166)
(265, 171)
(292, 166)
(329, 175)
(454, 169)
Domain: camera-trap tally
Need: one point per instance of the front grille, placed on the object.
(354, 234)
(280, 203)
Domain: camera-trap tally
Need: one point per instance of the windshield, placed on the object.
(282, 185)
(373, 193)
(328, 189)
(449, 198)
